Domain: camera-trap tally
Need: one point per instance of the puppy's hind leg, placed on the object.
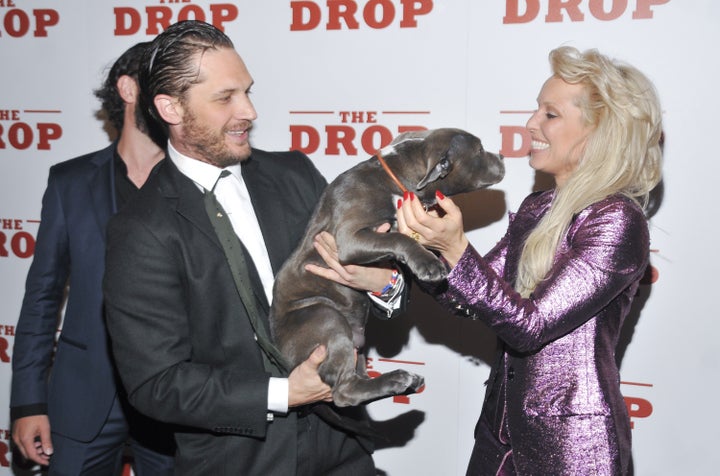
(356, 387)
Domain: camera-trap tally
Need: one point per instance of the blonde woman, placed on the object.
(558, 285)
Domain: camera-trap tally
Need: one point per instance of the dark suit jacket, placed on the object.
(70, 249)
(183, 344)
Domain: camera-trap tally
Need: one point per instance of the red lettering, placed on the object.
(638, 408)
(508, 147)
(387, 12)
(4, 452)
(616, 9)
(410, 13)
(159, 19)
(307, 139)
(375, 138)
(22, 245)
(20, 135)
(17, 22)
(47, 131)
(402, 129)
(557, 9)
(128, 20)
(512, 11)
(345, 9)
(297, 133)
(121, 27)
(43, 19)
(572, 8)
(337, 135)
(223, 13)
(11, 224)
(4, 346)
(643, 9)
(377, 14)
(298, 16)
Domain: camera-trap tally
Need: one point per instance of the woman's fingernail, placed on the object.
(399, 203)
(406, 195)
(439, 195)
(412, 196)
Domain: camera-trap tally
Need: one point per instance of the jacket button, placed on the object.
(511, 373)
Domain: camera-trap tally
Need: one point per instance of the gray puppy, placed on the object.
(308, 310)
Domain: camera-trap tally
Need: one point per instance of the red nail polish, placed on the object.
(412, 196)
(399, 203)
(439, 195)
(406, 195)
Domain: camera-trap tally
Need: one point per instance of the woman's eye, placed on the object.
(550, 115)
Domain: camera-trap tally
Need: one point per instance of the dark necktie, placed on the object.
(239, 260)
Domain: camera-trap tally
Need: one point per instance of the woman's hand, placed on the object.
(362, 278)
(441, 233)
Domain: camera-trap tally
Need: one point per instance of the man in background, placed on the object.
(78, 421)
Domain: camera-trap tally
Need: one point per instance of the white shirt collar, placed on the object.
(203, 174)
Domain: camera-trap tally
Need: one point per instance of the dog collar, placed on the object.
(390, 172)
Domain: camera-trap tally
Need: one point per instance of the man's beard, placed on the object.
(207, 145)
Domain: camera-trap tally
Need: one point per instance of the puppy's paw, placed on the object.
(403, 382)
(416, 382)
(430, 270)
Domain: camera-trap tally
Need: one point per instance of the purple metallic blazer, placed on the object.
(554, 391)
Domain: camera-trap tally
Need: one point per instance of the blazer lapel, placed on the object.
(101, 184)
(186, 197)
(271, 217)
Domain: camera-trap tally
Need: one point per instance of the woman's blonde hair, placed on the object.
(622, 153)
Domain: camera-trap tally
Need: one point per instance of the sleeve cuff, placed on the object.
(393, 301)
(278, 389)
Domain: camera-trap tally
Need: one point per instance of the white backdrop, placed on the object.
(335, 78)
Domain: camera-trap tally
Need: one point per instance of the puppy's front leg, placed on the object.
(366, 246)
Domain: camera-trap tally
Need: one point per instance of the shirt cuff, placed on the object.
(278, 389)
(393, 301)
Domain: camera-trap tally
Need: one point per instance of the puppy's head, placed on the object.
(450, 160)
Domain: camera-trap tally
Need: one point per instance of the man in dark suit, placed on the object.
(187, 300)
(78, 422)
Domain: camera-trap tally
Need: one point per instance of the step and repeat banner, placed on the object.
(338, 79)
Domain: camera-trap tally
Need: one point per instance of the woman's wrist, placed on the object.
(453, 254)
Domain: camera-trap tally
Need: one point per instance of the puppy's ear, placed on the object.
(439, 171)
(443, 167)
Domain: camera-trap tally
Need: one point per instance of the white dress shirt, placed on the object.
(232, 193)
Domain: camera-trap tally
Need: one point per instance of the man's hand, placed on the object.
(304, 383)
(31, 434)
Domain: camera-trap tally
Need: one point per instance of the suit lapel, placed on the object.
(271, 215)
(188, 200)
(101, 184)
(186, 197)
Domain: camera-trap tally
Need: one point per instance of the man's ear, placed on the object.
(169, 109)
(128, 89)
